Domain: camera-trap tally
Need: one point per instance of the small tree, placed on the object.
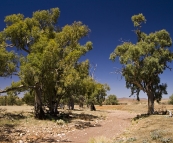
(111, 100)
(171, 99)
(144, 61)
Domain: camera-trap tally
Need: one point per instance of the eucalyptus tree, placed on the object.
(100, 92)
(144, 61)
(94, 92)
(51, 64)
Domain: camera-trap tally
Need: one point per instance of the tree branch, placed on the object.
(11, 46)
(15, 88)
(25, 50)
(168, 67)
(11, 89)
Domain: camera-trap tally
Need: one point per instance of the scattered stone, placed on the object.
(20, 141)
(170, 113)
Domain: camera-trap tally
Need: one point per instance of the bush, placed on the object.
(101, 139)
(19, 102)
(10, 100)
(60, 122)
(111, 100)
(3, 100)
(171, 99)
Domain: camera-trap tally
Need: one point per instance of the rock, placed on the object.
(170, 113)
(21, 134)
(20, 141)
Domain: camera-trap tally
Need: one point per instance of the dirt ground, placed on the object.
(110, 124)
(115, 123)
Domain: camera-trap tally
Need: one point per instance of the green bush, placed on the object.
(171, 99)
(111, 100)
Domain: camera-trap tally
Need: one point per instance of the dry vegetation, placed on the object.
(148, 129)
(17, 124)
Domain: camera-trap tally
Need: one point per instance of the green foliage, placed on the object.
(10, 99)
(8, 61)
(3, 100)
(60, 122)
(171, 99)
(28, 98)
(144, 61)
(51, 66)
(94, 92)
(111, 100)
(19, 102)
(138, 19)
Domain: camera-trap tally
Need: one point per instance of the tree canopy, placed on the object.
(50, 66)
(111, 100)
(144, 61)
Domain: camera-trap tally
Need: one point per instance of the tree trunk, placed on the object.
(92, 107)
(5, 100)
(80, 104)
(54, 103)
(39, 113)
(71, 103)
(55, 108)
(150, 103)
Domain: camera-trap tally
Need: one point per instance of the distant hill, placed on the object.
(125, 100)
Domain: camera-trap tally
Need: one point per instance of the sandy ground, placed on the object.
(115, 122)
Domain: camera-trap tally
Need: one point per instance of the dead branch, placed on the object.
(92, 70)
(118, 71)
(124, 41)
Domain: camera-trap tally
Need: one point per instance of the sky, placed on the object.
(109, 22)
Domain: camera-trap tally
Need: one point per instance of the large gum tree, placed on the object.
(144, 61)
(49, 62)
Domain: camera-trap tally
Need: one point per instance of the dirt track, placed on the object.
(30, 130)
(116, 122)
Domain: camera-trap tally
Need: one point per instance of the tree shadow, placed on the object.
(141, 116)
(84, 124)
(8, 121)
(6, 131)
(68, 117)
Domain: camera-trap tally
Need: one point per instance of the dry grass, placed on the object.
(101, 139)
(151, 129)
(23, 108)
(155, 128)
(17, 120)
(24, 115)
